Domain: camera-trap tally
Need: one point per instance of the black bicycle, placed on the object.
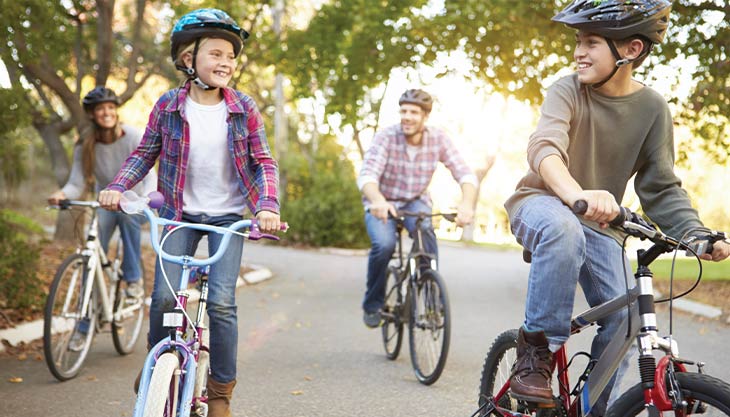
(666, 388)
(416, 295)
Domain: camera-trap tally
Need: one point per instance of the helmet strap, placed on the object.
(620, 62)
(191, 72)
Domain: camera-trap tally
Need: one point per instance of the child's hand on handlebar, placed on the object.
(109, 199)
(268, 221)
(602, 206)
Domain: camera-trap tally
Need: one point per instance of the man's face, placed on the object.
(412, 119)
(593, 57)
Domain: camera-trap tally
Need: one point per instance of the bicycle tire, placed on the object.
(126, 330)
(429, 325)
(496, 372)
(392, 328)
(163, 388)
(64, 300)
(697, 389)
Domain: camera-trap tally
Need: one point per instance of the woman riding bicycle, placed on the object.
(215, 163)
(598, 128)
(97, 157)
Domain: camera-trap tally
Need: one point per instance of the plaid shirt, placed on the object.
(168, 137)
(400, 178)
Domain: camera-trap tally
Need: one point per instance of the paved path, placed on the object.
(303, 349)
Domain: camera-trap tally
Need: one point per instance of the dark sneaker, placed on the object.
(532, 372)
(372, 320)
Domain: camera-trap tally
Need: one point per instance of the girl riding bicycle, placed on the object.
(598, 128)
(97, 157)
(215, 163)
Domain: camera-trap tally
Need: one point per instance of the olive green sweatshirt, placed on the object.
(604, 141)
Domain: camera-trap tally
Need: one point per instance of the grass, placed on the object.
(687, 268)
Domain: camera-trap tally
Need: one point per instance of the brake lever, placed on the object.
(255, 234)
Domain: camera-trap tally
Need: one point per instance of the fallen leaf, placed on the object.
(91, 378)
(307, 378)
(297, 392)
(38, 357)
(15, 380)
(22, 357)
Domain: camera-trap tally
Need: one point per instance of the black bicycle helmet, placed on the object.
(201, 23)
(618, 19)
(417, 97)
(99, 95)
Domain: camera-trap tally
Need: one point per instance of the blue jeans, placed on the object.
(129, 229)
(383, 240)
(564, 253)
(222, 309)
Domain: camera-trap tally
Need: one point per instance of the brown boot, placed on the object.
(219, 398)
(532, 373)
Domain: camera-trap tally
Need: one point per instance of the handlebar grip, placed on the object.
(156, 199)
(580, 207)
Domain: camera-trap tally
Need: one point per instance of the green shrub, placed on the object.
(20, 287)
(322, 203)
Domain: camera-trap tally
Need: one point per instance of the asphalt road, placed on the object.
(303, 350)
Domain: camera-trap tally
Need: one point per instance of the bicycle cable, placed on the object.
(178, 305)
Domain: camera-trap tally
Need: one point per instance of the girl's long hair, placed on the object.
(87, 140)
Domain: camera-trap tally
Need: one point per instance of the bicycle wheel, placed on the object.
(128, 319)
(429, 327)
(66, 335)
(704, 394)
(496, 372)
(161, 400)
(392, 327)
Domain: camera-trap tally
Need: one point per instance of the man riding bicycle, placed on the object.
(597, 129)
(395, 175)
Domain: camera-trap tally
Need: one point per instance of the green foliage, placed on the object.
(13, 164)
(322, 203)
(20, 287)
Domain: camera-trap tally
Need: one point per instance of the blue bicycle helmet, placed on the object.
(201, 23)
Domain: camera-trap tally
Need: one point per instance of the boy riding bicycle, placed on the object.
(598, 128)
(395, 174)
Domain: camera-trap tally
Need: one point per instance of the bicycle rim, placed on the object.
(429, 327)
(705, 395)
(161, 396)
(392, 328)
(128, 320)
(66, 335)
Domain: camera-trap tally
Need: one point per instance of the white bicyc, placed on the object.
(86, 294)
(176, 369)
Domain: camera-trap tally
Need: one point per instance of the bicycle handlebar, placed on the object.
(635, 225)
(66, 204)
(422, 214)
(155, 201)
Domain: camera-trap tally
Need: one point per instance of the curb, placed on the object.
(694, 307)
(28, 332)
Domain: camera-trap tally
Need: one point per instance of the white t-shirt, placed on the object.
(211, 183)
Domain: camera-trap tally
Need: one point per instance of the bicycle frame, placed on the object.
(98, 267)
(642, 327)
(187, 345)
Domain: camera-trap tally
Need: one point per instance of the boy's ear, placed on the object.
(634, 48)
(187, 59)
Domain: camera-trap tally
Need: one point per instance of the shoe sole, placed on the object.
(539, 401)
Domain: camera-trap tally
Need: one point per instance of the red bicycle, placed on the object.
(666, 388)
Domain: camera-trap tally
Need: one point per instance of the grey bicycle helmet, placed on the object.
(98, 95)
(417, 97)
(618, 19)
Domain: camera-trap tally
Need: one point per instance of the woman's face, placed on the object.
(105, 115)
